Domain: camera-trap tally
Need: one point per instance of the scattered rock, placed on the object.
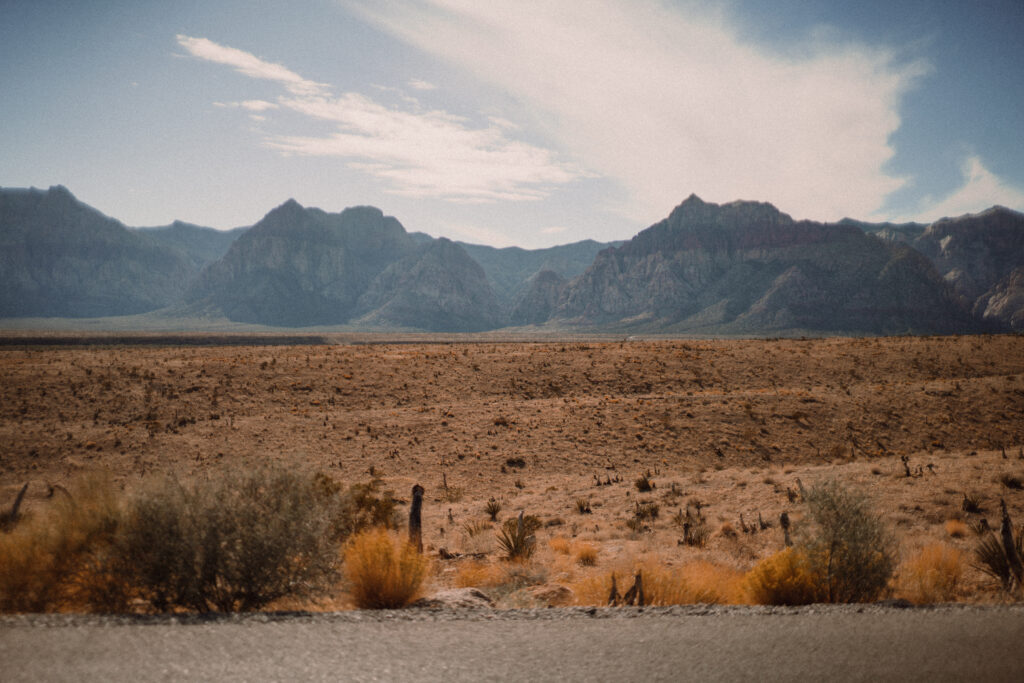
(456, 598)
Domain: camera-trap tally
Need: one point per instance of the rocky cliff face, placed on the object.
(511, 270)
(745, 267)
(60, 257)
(302, 266)
(537, 303)
(439, 289)
(980, 256)
(201, 246)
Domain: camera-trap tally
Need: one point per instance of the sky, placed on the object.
(527, 123)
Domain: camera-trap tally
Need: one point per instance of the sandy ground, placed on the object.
(536, 426)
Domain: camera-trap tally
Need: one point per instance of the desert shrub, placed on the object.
(492, 509)
(361, 506)
(971, 503)
(559, 544)
(475, 539)
(646, 510)
(932, 574)
(232, 543)
(1011, 481)
(643, 483)
(847, 544)
(586, 554)
(955, 528)
(696, 531)
(583, 506)
(517, 537)
(786, 578)
(692, 583)
(383, 571)
(715, 583)
(990, 557)
(48, 560)
(475, 574)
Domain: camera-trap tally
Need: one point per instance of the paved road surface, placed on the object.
(704, 644)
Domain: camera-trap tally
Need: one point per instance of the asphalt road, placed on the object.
(705, 644)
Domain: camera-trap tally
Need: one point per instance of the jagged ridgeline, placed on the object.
(738, 268)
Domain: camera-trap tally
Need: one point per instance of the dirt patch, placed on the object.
(543, 426)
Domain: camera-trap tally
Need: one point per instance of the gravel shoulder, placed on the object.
(852, 642)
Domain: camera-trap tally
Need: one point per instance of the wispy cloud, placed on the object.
(980, 189)
(418, 152)
(250, 65)
(669, 100)
(417, 84)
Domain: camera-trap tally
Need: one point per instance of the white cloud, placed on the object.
(249, 105)
(420, 153)
(670, 101)
(249, 65)
(417, 84)
(980, 190)
(554, 230)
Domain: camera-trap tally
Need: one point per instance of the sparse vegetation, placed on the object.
(643, 483)
(397, 410)
(235, 542)
(586, 554)
(383, 572)
(1000, 556)
(54, 558)
(847, 545)
(493, 508)
(517, 537)
(786, 578)
(933, 574)
(955, 528)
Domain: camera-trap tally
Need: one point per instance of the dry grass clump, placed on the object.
(786, 578)
(560, 544)
(931, 575)
(663, 584)
(51, 559)
(585, 554)
(955, 528)
(383, 571)
(476, 574)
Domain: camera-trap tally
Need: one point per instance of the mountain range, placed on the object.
(742, 268)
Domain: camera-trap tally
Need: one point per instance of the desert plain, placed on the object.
(915, 423)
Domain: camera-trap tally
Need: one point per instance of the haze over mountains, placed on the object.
(738, 268)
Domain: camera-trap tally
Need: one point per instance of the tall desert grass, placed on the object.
(383, 571)
(932, 574)
(49, 561)
(786, 578)
(692, 583)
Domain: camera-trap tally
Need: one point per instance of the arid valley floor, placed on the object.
(537, 426)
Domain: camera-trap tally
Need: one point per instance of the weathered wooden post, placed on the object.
(635, 595)
(415, 518)
(8, 520)
(613, 596)
(784, 523)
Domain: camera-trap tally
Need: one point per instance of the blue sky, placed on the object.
(515, 123)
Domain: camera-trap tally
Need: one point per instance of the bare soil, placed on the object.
(536, 426)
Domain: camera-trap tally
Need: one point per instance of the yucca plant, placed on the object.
(492, 509)
(517, 537)
(1000, 556)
